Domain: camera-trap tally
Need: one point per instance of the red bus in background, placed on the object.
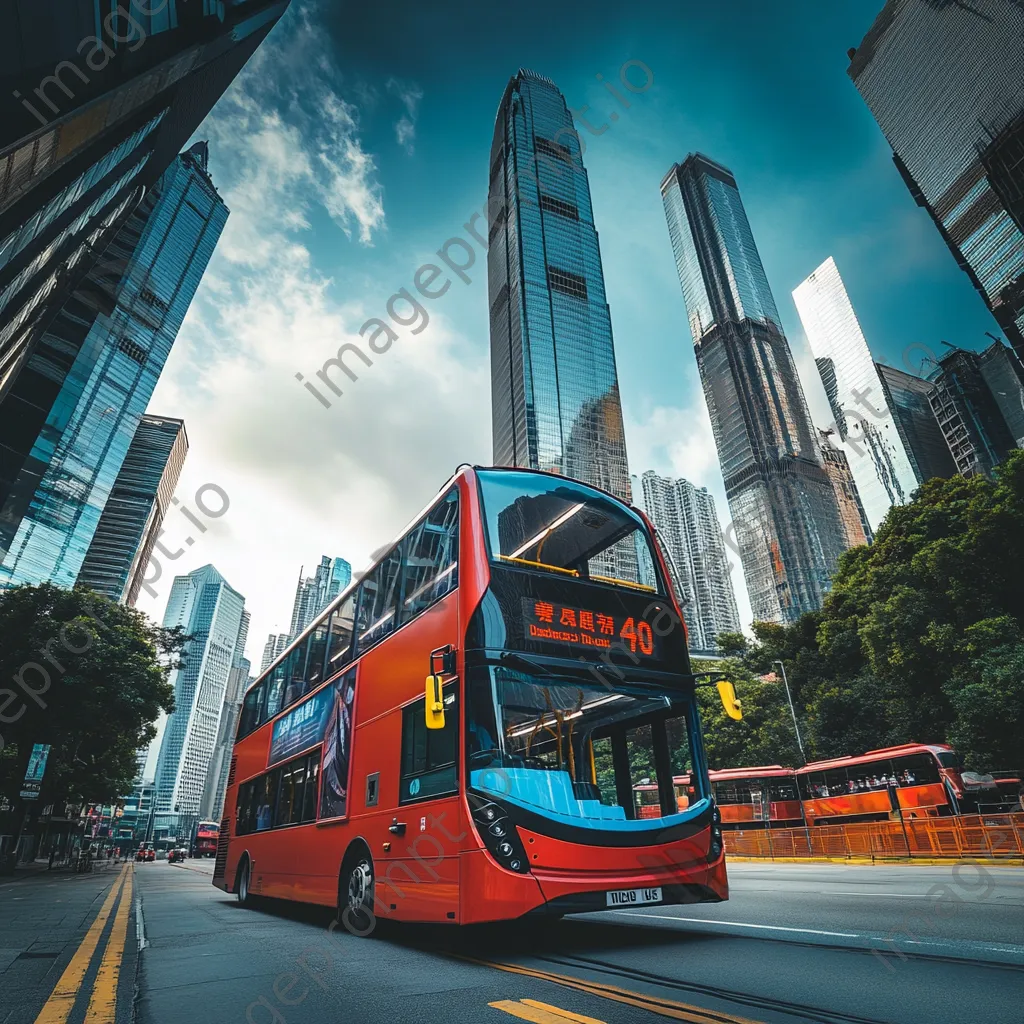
(557, 675)
(920, 780)
(747, 798)
(205, 842)
(1011, 792)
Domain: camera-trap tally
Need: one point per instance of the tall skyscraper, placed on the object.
(864, 423)
(314, 593)
(132, 518)
(211, 613)
(782, 502)
(81, 396)
(273, 649)
(856, 527)
(968, 410)
(212, 804)
(909, 398)
(96, 102)
(687, 523)
(945, 82)
(554, 386)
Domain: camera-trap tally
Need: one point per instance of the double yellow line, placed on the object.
(103, 999)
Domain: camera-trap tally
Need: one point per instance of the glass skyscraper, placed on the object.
(686, 521)
(107, 347)
(98, 100)
(783, 506)
(945, 82)
(134, 513)
(212, 613)
(554, 385)
(314, 593)
(909, 398)
(864, 423)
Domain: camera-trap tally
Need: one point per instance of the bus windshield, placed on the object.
(569, 747)
(560, 526)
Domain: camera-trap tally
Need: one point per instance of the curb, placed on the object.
(923, 861)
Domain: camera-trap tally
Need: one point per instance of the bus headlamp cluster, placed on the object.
(715, 849)
(499, 835)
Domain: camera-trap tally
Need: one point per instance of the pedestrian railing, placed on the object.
(969, 836)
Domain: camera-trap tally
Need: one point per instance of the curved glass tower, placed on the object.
(783, 506)
(554, 386)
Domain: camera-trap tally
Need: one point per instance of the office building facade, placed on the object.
(910, 399)
(865, 429)
(686, 521)
(98, 100)
(554, 384)
(211, 806)
(781, 500)
(945, 82)
(211, 613)
(314, 593)
(82, 395)
(970, 413)
(133, 516)
(856, 527)
(273, 649)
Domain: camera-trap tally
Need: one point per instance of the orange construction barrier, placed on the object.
(989, 836)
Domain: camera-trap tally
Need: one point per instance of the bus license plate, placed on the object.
(632, 897)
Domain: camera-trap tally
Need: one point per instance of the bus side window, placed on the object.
(315, 661)
(340, 636)
(275, 692)
(430, 558)
(295, 673)
(429, 756)
(378, 596)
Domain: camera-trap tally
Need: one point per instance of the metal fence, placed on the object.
(990, 835)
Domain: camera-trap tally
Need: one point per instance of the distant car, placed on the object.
(177, 855)
(145, 853)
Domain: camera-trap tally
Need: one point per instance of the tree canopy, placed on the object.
(921, 638)
(87, 676)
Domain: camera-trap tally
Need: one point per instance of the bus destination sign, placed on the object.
(584, 627)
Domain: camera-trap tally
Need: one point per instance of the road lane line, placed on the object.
(541, 1013)
(103, 1001)
(653, 1004)
(62, 998)
(739, 924)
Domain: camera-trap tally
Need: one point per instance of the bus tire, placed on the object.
(243, 893)
(355, 892)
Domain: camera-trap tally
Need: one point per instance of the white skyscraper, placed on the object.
(864, 422)
(211, 612)
(273, 649)
(687, 523)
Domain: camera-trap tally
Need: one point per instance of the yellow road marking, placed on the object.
(62, 998)
(654, 1004)
(542, 1013)
(103, 1001)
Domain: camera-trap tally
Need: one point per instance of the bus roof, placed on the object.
(765, 772)
(875, 755)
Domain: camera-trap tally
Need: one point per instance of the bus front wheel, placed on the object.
(355, 893)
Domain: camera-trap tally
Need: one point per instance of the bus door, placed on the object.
(418, 879)
(759, 800)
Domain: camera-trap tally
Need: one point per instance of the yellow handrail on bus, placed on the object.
(539, 565)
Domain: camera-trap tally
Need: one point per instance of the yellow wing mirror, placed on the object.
(731, 703)
(434, 707)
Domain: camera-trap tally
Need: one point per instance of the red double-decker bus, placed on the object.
(204, 844)
(557, 677)
(916, 779)
(747, 798)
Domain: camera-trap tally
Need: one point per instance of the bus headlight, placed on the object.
(499, 835)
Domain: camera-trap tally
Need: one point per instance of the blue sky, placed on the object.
(356, 142)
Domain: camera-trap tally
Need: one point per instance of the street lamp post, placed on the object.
(792, 711)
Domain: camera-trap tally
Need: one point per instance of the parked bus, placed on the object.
(204, 844)
(747, 798)
(918, 780)
(557, 677)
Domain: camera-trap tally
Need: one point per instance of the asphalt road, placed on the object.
(821, 943)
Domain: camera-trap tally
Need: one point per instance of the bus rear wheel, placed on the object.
(355, 893)
(242, 890)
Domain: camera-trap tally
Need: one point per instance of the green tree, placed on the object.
(87, 676)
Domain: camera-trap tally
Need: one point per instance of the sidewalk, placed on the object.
(33, 868)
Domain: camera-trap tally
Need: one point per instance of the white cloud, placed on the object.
(410, 94)
(302, 480)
